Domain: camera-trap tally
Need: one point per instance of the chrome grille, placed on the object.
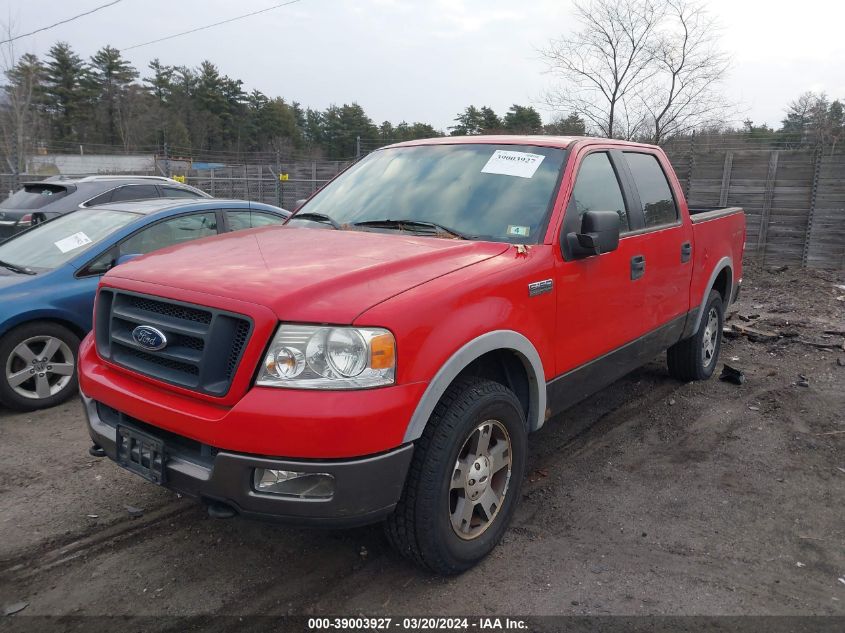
(204, 345)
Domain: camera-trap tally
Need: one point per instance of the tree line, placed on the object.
(811, 120)
(63, 101)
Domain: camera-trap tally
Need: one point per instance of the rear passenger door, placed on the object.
(664, 242)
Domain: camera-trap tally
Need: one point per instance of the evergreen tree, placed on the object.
(110, 78)
(490, 121)
(523, 120)
(469, 123)
(573, 125)
(67, 92)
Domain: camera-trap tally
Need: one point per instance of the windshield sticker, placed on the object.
(520, 164)
(518, 231)
(72, 242)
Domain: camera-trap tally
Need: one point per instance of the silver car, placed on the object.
(39, 201)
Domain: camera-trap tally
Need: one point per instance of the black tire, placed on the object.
(689, 359)
(61, 385)
(421, 527)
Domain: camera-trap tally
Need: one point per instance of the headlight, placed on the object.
(323, 357)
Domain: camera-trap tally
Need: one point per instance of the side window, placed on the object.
(101, 199)
(243, 219)
(597, 188)
(135, 192)
(173, 192)
(100, 265)
(655, 194)
(169, 232)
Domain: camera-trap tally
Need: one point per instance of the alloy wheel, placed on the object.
(711, 337)
(39, 367)
(480, 479)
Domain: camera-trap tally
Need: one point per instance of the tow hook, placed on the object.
(96, 451)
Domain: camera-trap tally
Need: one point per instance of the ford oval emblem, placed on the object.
(149, 337)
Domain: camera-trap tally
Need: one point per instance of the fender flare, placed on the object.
(489, 342)
(725, 262)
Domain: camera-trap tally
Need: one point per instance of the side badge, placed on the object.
(540, 287)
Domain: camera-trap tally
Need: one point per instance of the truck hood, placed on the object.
(307, 274)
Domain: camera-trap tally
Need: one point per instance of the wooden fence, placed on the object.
(794, 199)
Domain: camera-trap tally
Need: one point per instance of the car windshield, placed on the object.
(479, 191)
(34, 197)
(53, 243)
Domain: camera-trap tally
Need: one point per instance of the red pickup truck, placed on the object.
(385, 355)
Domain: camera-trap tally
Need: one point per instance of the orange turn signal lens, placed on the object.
(382, 351)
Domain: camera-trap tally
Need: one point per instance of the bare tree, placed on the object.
(683, 93)
(21, 78)
(603, 65)
(645, 69)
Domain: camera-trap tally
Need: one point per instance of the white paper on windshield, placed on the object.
(73, 241)
(507, 163)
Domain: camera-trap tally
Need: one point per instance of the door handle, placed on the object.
(686, 252)
(637, 267)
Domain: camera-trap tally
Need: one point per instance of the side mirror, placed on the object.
(126, 258)
(299, 203)
(599, 234)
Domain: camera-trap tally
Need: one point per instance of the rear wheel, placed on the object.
(464, 480)
(695, 358)
(39, 366)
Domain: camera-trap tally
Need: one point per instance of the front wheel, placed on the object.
(464, 480)
(39, 366)
(695, 358)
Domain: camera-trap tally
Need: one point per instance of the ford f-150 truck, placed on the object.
(385, 354)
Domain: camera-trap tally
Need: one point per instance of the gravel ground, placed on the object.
(652, 497)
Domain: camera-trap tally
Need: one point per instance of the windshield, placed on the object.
(34, 197)
(491, 192)
(53, 243)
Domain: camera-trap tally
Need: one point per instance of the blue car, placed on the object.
(49, 276)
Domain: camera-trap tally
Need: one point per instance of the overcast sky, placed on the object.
(425, 60)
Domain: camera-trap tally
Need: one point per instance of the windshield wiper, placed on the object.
(316, 217)
(412, 225)
(17, 269)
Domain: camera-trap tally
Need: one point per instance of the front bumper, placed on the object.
(366, 489)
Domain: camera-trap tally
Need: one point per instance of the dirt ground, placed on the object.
(652, 497)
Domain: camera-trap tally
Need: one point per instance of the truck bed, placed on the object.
(705, 214)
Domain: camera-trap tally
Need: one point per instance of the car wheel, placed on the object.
(39, 366)
(464, 480)
(695, 358)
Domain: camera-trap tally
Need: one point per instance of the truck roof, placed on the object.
(561, 142)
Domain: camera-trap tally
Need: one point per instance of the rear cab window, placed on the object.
(658, 203)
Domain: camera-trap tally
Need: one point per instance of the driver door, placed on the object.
(601, 306)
